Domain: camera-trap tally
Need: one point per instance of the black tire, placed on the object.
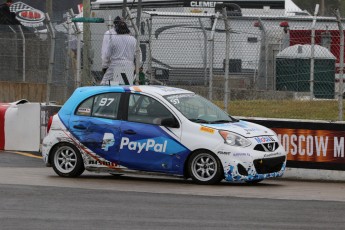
(67, 160)
(204, 167)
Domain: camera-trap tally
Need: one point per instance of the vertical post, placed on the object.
(137, 52)
(341, 66)
(16, 47)
(205, 51)
(24, 52)
(86, 40)
(312, 53)
(227, 50)
(51, 57)
(149, 27)
(210, 86)
(138, 19)
(124, 6)
(49, 7)
(78, 77)
(68, 53)
(79, 35)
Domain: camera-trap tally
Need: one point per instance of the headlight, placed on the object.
(234, 139)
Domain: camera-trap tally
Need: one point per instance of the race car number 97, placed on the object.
(106, 101)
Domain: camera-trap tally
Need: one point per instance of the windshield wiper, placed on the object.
(197, 120)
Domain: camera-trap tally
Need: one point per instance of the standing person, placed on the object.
(105, 44)
(142, 77)
(121, 55)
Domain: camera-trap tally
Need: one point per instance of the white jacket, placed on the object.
(105, 46)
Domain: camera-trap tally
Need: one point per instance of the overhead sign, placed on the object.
(27, 15)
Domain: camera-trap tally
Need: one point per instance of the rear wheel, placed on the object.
(67, 161)
(205, 168)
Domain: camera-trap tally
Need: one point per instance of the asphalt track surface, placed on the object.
(34, 197)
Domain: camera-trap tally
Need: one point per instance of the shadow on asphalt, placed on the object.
(170, 180)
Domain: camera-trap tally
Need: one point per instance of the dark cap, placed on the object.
(122, 28)
(117, 20)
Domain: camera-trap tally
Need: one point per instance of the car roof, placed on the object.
(82, 93)
(149, 89)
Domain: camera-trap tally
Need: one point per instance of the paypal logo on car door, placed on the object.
(150, 147)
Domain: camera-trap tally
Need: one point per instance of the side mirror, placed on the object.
(170, 122)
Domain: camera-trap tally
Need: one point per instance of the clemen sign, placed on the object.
(202, 4)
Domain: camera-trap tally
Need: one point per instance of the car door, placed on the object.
(96, 125)
(146, 144)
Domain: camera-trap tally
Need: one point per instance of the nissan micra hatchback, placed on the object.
(158, 129)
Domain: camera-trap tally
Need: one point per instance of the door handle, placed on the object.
(130, 132)
(79, 127)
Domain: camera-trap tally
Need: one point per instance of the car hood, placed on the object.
(244, 128)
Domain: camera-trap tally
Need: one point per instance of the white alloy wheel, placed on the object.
(67, 161)
(205, 168)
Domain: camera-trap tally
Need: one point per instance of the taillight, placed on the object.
(50, 121)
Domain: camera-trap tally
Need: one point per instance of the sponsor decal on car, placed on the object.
(108, 141)
(241, 154)
(147, 145)
(271, 154)
(264, 139)
(224, 153)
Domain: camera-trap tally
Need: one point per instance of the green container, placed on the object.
(293, 70)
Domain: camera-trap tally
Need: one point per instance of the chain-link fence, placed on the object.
(270, 55)
(28, 58)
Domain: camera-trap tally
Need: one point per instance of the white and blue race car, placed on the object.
(158, 129)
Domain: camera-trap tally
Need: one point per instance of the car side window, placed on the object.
(106, 105)
(145, 109)
(102, 105)
(84, 109)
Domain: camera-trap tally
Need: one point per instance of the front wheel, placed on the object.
(205, 168)
(67, 161)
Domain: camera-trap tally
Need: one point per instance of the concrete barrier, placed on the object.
(20, 126)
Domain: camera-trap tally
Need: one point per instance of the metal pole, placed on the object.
(149, 27)
(124, 6)
(24, 53)
(137, 52)
(16, 48)
(86, 40)
(341, 66)
(51, 58)
(227, 51)
(49, 7)
(312, 53)
(79, 35)
(210, 86)
(205, 51)
(68, 53)
(138, 19)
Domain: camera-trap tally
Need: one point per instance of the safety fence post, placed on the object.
(211, 56)
(51, 57)
(341, 66)
(227, 51)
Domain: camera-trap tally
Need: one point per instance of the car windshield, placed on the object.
(198, 109)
